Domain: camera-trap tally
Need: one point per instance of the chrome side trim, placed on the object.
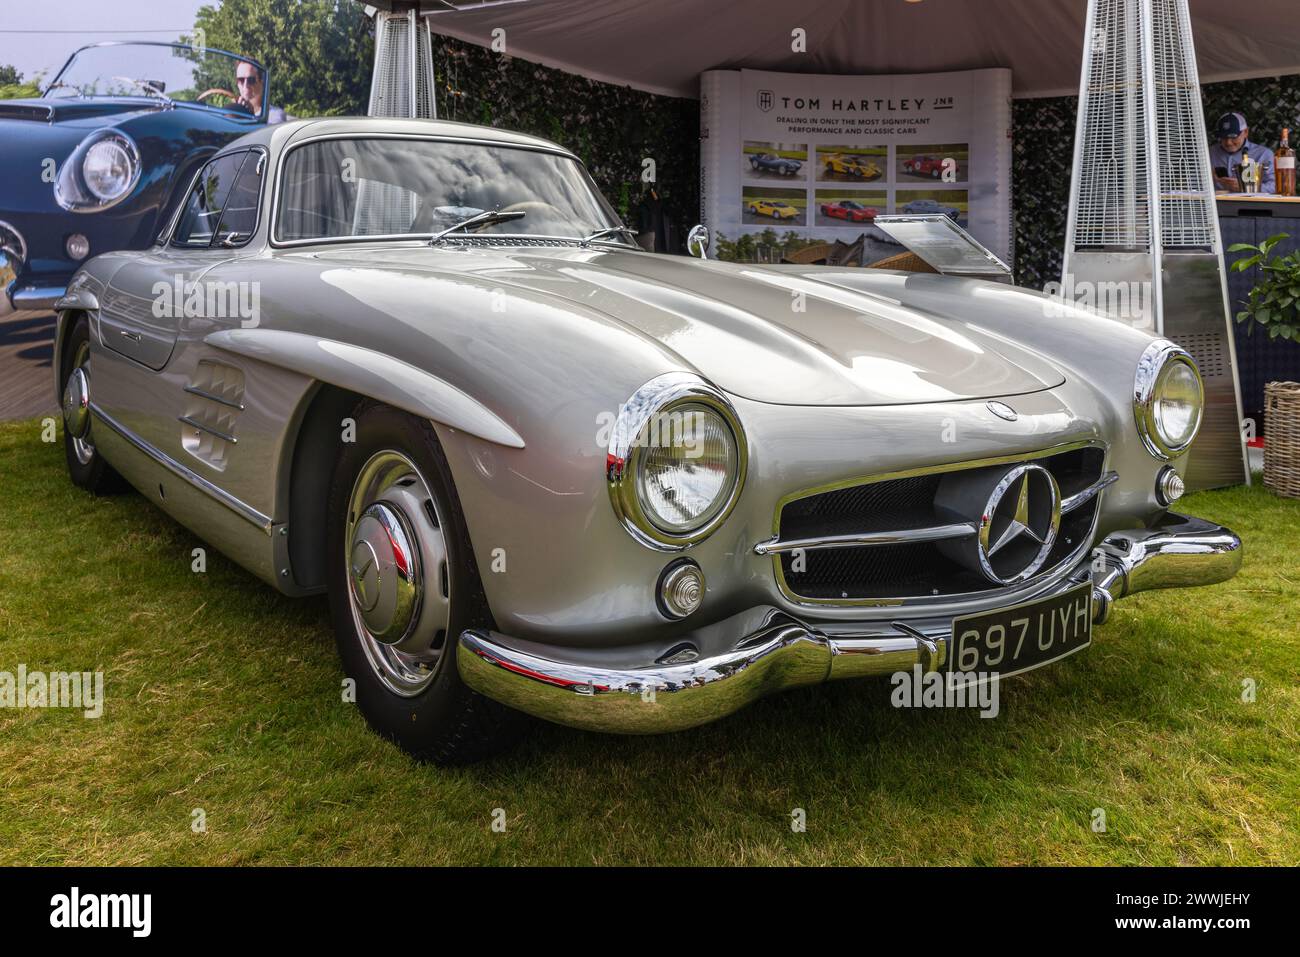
(202, 394)
(763, 651)
(935, 533)
(243, 510)
(195, 423)
(1072, 502)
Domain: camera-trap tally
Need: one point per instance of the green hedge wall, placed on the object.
(612, 128)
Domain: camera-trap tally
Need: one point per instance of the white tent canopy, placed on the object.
(664, 46)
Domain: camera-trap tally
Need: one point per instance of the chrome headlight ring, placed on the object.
(1151, 366)
(658, 396)
(71, 189)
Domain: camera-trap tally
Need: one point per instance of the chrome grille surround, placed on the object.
(1081, 495)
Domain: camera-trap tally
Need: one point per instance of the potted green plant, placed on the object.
(1274, 301)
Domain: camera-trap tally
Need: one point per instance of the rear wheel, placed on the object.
(403, 585)
(86, 466)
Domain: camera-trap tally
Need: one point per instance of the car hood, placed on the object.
(62, 110)
(765, 334)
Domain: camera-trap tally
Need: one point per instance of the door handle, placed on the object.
(133, 336)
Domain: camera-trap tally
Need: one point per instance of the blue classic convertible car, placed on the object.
(96, 162)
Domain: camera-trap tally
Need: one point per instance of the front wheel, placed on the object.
(403, 585)
(86, 466)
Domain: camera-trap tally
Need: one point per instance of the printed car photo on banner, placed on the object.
(948, 163)
(844, 164)
(765, 205)
(774, 160)
(828, 134)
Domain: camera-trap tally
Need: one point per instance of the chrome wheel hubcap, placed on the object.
(399, 586)
(76, 405)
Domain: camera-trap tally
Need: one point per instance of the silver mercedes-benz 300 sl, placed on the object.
(422, 367)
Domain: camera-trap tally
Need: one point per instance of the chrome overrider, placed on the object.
(768, 650)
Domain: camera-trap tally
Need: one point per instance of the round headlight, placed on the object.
(1168, 399)
(686, 467)
(676, 461)
(99, 173)
(107, 169)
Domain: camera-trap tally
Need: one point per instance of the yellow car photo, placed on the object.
(852, 165)
(771, 207)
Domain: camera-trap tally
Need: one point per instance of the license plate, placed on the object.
(1011, 640)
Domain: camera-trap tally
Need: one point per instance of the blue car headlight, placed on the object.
(100, 173)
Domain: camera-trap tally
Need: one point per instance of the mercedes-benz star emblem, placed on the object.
(1019, 524)
(1002, 411)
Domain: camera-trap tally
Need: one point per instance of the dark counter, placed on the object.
(1259, 359)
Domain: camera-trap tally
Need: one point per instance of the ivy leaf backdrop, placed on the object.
(614, 129)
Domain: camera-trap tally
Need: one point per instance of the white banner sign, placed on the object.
(817, 157)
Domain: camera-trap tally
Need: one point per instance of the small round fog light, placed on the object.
(681, 589)
(77, 247)
(1169, 486)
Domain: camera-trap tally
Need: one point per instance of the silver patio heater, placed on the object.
(1142, 209)
(402, 84)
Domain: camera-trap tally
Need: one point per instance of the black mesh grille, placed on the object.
(908, 570)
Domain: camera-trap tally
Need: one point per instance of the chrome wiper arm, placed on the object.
(485, 218)
(607, 231)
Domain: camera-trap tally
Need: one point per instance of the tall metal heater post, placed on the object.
(1142, 210)
(402, 83)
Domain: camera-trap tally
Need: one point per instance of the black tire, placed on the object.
(447, 722)
(90, 472)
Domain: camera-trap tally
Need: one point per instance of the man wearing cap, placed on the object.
(1232, 133)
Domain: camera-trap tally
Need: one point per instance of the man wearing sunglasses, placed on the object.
(249, 86)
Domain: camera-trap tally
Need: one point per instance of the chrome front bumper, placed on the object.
(765, 650)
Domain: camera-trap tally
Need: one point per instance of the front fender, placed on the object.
(372, 374)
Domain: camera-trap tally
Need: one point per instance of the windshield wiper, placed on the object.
(486, 218)
(608, 231)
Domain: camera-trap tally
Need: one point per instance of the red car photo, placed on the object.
(923, 166)
(848, 209)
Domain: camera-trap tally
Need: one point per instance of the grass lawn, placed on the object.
(224, 697)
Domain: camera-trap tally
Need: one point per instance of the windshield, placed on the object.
(356, 188)
(166, 70)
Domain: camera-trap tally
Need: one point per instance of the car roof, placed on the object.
(280, 136)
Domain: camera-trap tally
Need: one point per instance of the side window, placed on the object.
(203, 206)
(239, 215)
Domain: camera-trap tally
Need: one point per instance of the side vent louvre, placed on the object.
(214, 400)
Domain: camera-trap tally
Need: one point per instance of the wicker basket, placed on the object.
(1282, 438)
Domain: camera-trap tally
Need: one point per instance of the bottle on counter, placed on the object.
(1284, 166)
(1248, 173)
